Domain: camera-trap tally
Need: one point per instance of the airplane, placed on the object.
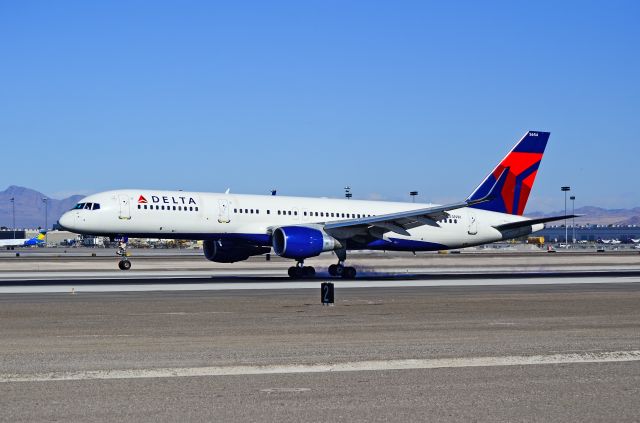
(234, 227)
(10, 244)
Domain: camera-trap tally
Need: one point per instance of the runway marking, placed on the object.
(314, 284)
(354, 366)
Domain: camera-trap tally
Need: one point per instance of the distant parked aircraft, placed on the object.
(10, 244)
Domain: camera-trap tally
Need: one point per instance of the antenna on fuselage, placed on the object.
(227, 191)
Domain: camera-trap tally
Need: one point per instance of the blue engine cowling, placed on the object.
(229, 252)
(301, 242)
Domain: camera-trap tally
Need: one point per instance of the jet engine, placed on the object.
(300, 242)
(229, 252)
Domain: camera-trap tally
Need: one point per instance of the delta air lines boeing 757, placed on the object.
(235, 227)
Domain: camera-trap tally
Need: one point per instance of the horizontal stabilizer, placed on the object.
(530, 222)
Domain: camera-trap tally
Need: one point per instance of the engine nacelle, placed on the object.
(228, 252)
(301, 242)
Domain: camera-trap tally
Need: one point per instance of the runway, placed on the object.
(473, 348)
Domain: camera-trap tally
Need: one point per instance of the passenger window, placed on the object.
(455, 220)
(235, 210)
(251, 211)
(196, 209)
(246, 211)
(174, 207)
(268, 211)
(322, 214)
(295, 213)
(139, 206)
(316, 214)
(180, 208)
(278, 212)
(257, 211)
(289, 212)
(190, 208)
(145, 206)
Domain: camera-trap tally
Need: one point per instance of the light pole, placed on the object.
(13, 207)
(347, 192)
(46, 216)
(566, 229)
(413, 196)
(573, 212)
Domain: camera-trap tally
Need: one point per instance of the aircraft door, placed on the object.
(125, 207)
(223, 211)
(473, 224)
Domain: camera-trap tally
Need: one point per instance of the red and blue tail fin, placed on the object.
(522, 165)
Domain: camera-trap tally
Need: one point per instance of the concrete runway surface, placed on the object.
(561, 348)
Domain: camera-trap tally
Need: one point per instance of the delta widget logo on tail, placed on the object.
(522, 165)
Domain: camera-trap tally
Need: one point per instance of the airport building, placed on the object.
(591, 233)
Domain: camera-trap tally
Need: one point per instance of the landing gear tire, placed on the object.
(124, 265)
(309, 272)
(349, 273)
(299, 272)
(293, 272)
(333, 270)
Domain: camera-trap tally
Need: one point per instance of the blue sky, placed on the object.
(310, 96)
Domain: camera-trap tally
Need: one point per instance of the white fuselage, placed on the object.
(204, 216)
(13, 242)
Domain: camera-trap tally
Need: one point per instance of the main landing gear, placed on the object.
(340, 270)
(300, 271)
(124, 263)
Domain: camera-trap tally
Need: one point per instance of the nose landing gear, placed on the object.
(124, 263)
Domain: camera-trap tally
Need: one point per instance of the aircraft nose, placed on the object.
(66, 221)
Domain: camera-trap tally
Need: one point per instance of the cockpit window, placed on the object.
(86, 206)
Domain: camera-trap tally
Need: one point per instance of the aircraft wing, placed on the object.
(530, 222)
(377, 226)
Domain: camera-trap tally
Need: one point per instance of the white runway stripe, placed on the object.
(128, 286)
(357, 366)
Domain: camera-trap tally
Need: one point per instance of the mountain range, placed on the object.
(598, 216)
(30, 210)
